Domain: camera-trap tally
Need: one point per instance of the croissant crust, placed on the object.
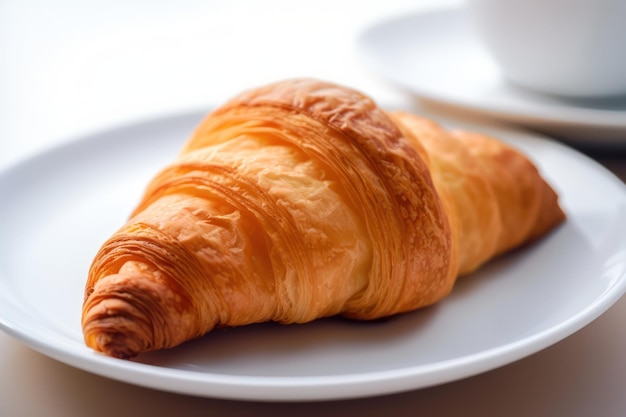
(303, 199)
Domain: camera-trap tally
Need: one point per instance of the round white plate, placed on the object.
(437, 56)
(58, 207)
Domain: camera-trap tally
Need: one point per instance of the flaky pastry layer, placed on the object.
(300, 200)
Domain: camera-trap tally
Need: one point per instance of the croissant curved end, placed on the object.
(114, 321)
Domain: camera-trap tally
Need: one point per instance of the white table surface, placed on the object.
(70, 68)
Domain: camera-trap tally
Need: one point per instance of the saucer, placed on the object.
(436, 56)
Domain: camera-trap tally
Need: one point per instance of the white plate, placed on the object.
(59, 206)
(437, 56)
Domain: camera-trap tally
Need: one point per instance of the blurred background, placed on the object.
(70, 67)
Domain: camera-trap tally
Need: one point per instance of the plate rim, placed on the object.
(313, 388)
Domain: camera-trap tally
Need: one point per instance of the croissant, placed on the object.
(300, 200)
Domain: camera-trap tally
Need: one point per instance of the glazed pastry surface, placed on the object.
(300, 200)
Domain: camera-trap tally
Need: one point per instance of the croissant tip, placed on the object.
(114, 327)
(111, 344)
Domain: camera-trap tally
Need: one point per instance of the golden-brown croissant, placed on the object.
(301, 200)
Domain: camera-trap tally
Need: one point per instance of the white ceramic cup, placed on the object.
(572, 48)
